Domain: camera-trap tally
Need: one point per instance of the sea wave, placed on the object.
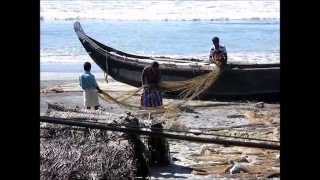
(227, 20)
(219, 10)
(245, 57)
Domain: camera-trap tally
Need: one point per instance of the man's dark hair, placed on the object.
(87, 66)
(215, 39)
(155, 64)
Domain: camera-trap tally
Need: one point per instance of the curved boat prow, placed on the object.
(79, 31)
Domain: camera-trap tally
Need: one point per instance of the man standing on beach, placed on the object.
(90, 87)
(217, 53)
(151, 96)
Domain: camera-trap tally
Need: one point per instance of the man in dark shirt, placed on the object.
(151, 96)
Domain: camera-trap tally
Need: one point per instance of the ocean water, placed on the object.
(250, 30)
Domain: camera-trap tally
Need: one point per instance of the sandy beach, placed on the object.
(195, 160)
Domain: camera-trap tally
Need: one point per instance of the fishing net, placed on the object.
(189, 90)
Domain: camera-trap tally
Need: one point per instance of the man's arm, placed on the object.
(225, 55)
(99, 90)
(211, 54)
(80, 81)
(157, 79)
(143, 77)
(95, 84)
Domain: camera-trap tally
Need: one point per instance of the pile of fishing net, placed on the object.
(70, 152)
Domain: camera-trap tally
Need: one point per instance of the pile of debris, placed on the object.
(71, 152)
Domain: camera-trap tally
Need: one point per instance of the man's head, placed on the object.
(87, 66)
(155, 65)
(215, 41)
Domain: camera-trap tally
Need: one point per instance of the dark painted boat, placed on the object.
(238, 81)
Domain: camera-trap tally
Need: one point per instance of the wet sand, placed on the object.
(189, 161)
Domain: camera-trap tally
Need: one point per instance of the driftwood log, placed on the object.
(83, 153)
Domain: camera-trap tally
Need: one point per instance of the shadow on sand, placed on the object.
(171, 171)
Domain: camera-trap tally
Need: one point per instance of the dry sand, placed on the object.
(196, 160)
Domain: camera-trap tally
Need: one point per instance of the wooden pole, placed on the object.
(159, 134)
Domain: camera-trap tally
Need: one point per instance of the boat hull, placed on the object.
(238, 81)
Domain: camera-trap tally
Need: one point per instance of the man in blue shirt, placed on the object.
(90, 87)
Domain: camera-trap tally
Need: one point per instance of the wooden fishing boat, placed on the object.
(238, 81)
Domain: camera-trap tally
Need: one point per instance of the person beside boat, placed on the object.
(90, 87)
(151, 96)
(217, 53)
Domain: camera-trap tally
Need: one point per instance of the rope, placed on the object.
(106, 72)
(105, 96)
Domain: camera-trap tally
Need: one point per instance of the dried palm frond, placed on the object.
(86, 154)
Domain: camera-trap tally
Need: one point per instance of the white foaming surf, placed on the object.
(160, 10)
